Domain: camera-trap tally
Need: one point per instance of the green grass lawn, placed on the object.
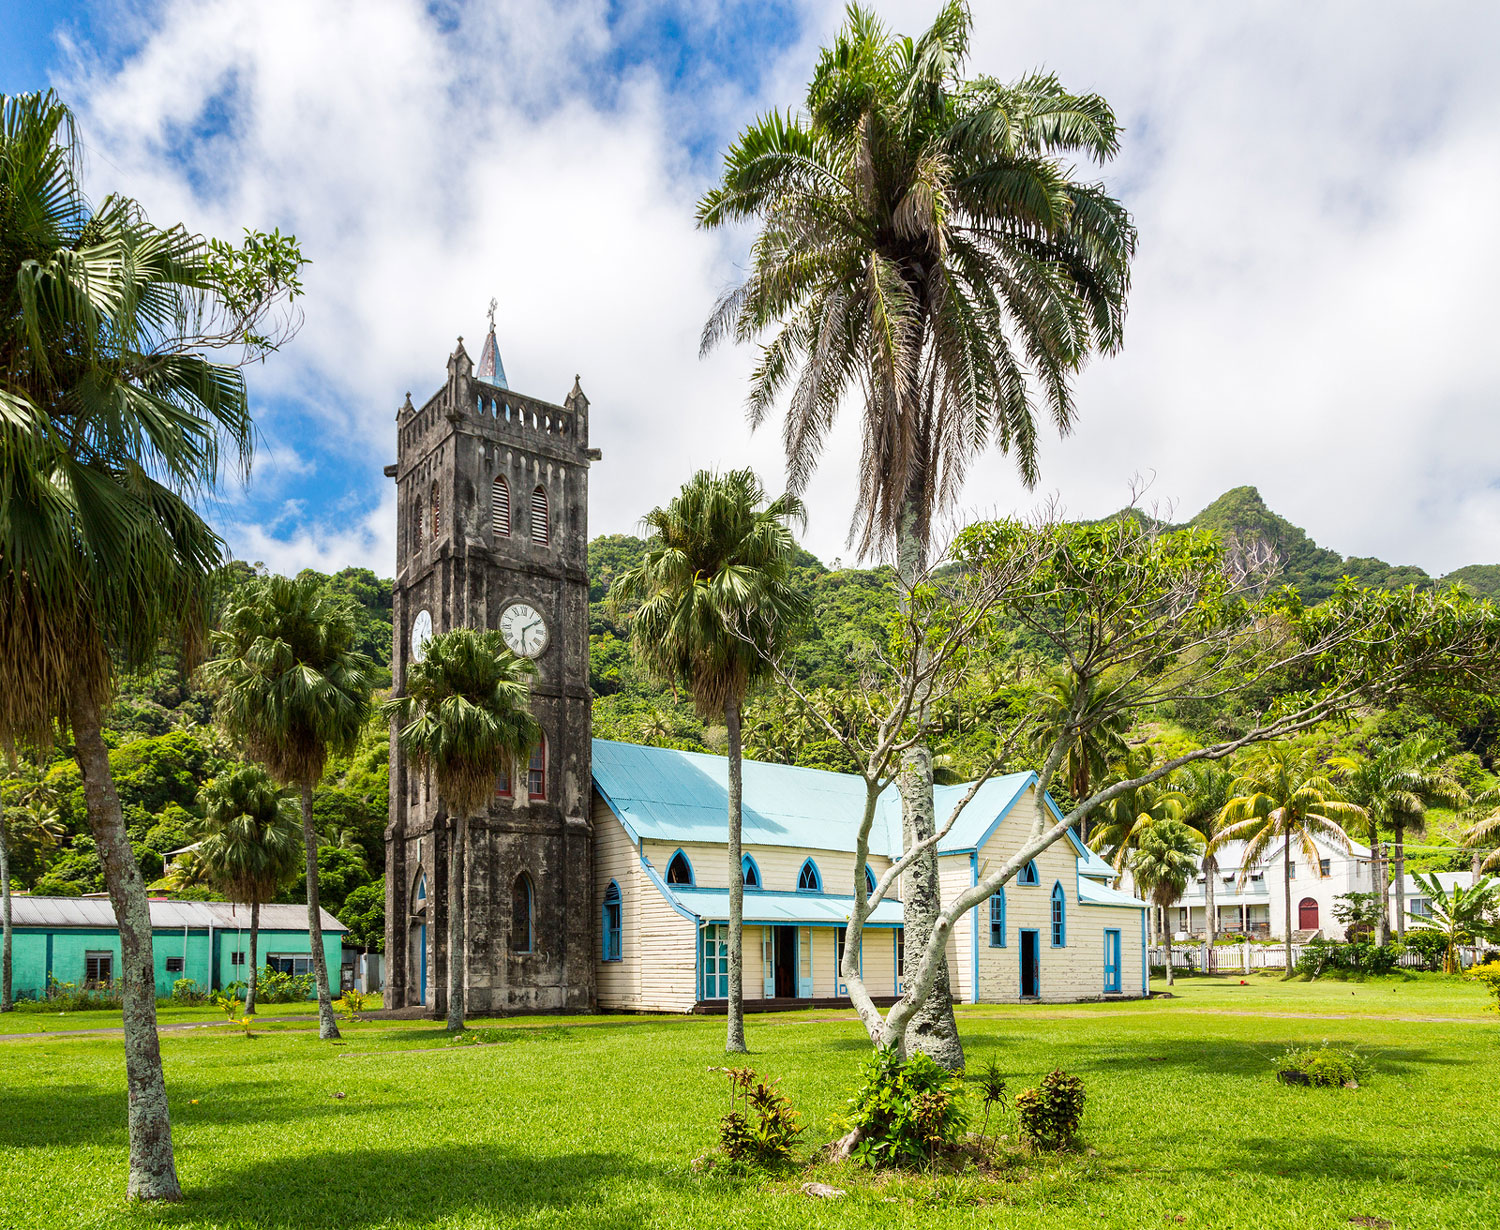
(594, 1122)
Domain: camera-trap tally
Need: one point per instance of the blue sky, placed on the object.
(1311, 185)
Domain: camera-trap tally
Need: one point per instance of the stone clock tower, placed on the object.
(492, 532)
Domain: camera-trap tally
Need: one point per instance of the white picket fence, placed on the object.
(1244, 958)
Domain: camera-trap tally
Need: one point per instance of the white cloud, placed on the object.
(1311, 184)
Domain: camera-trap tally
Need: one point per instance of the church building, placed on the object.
(600, 881)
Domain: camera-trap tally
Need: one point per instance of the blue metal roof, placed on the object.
(1091, 892)
(663, 794)
(806, 909)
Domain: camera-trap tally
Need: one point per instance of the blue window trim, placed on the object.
(613, 947)
(692, 880)
(749, 867)
(869, 880)
(1059, 918)
(817, 878)
(1029, 876)
(997, 900)
(1117, 985)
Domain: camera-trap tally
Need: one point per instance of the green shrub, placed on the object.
(906, 1111)
(1429, 944)
(761, 1125)
(1050, 1114)
(1321, 1065)
(70, 997)
(185, 991)
(1488, 976)
(350, 1004)
(1321, 957)
(274, 987)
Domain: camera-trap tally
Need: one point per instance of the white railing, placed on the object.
(1245, 958)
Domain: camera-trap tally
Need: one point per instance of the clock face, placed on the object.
(524, 629)
(421, 633)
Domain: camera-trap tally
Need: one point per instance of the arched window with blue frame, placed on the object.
(613, 920)
(808, 879)
(679, 870)
(1029, 874)
(1059, 916)
(749, 872)
(997, 920)
(869, 880)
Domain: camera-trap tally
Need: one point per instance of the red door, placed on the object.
(1307, 915)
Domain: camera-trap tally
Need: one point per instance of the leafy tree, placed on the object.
(290, 685)
(1360, 914)
(711, 605)
(466, 719)
(1163, 864)
(363, 913)
(249, 845)
(1461, 916)
(115, 419)
(1283, 799)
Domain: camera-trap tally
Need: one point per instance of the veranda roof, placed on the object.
(774, 909)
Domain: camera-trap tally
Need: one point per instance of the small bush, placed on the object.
(350, 1004)
(70, 997)
(1488, 976)
(1050, 1114)
(906, 1111)
(1321, 1065)
(274, 987)
(761, 1125)
(1322, 957)
(185, 991)
(1430, 945)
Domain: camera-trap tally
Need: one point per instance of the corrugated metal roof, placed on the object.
(808, 909)
(165, 915)
(1091, 892)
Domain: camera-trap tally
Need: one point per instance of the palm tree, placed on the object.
(114, 423)
(716, 605)
(1162, 865)
(1096, 735)
(1204, 788)
(34, 819)
(1395, 786)
(1282, 798)
(289, 684)
(924, 248)
(249, 847)
(464, 718)
(1462, 916)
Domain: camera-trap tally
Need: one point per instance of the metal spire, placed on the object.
(491, 369)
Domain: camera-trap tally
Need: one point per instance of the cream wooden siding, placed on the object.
(658, 971)
(779, 865)
(1070, 973)
(880, 961)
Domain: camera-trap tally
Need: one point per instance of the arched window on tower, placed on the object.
(520, 914)
(500, 507)
(536, 771)
(541, 528)
(416, 525)
(437, 513)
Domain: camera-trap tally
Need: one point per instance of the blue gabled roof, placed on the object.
(805, 909)
(668, 795)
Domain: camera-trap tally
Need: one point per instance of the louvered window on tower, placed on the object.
(541, 532)
(416, 524)
(437, 513)
(500, 507)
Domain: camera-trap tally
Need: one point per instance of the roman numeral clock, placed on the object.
(492, 532)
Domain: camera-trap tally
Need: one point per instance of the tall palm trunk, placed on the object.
(1400, 873)
(1166, 932)
(1211, 908)
(933, 1029)
(735, 1040)
(458, 965)
(5, 925)
(153, 1171)
(328, 1028)
(254, 979)
(1381, 886)
(1286, 882)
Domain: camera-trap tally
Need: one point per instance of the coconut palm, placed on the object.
(924, 248)
(33, 820)
(1461, 917)
(1124, 819)
(1162, 864)
(1282, 799)
(1204, 788)
(289, 684)
(464, 718)
(114, 422)
(1482, 836)
(715, 605)
(1395, 786)
(249, 847)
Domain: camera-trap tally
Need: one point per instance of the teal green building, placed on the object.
(75, 939)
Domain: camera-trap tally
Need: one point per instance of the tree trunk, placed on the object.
(458, 964)
(1286, 880)
(254, 978)
(5, 926)
(1166, 934)
(735, 1039)
(328, 1028)
(1400, 873)
(153, 1170)
(1211, 907)
(1380, 886)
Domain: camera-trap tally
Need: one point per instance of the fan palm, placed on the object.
(289, 684)
(465, 719)
(112, 421)
(249, 847)
(1283, 799)
(716, 604)
(1395, 786)
(1204, 788)
(924, 247)
(1461, 916)
(1162, 865)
